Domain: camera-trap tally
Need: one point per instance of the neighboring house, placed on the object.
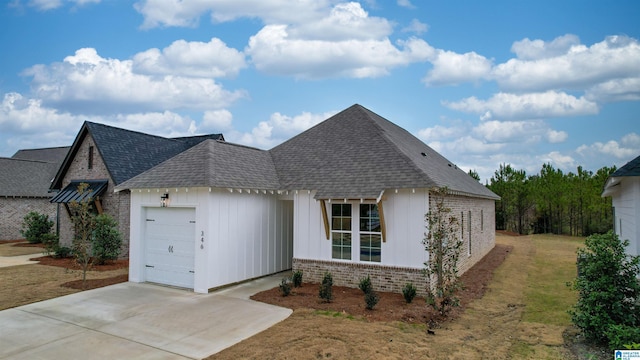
(24, 182)
(624, 188)
(103, 157)
(348, 196)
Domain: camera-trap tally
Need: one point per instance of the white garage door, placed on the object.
(170, 246)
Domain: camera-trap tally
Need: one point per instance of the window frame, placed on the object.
(367, 236)
(343, 233)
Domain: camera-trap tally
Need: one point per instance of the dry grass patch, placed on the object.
(19, 247)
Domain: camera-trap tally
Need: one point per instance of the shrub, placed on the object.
(285, 287)
(409, 292)
(325, 292)
(63, 252)
(608, 297)
(51, 243)
(622, 336)
(106, 239)
(365, 285)
(296, 277)
(371, 299)
(34, 226)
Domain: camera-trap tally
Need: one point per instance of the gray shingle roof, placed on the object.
(357, 154)
(211, 164)
(632, 168)
(52, 155)
(128, 153)
(26, 178)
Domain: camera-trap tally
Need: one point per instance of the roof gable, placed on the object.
(358, 154)
(127, 153)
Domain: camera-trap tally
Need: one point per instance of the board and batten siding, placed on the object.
(626, 202)
(239, 235)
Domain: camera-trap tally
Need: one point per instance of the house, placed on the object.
(347, 196)
(24, 182)
(624, 188)
(104, 157)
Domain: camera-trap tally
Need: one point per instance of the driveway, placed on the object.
(137, 321)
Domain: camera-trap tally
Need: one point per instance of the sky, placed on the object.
(484, 83)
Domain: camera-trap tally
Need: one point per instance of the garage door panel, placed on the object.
(170, 246)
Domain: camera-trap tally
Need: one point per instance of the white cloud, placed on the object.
(187, 13)
(277, 129)
(535, 105)
(406, 3)
(193, 59)
(272, 51)
(216, 121)
(615, 90)
(631, 140)
(558, 160)
(628, 147)
(45, 5)
(439, 133)
(555, 137)
(564, 64)
(450, 68)
(88, 83)
(416, 27)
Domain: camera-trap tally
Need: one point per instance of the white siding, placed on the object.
(239, 236)
(404, 216)
(626, 202)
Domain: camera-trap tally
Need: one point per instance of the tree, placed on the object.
(106, 239)
(83, 218)
(444, 247)
(474, 174)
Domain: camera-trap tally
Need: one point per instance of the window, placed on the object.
(341, 231)
(481, 220)
(469, 222)
(370, 233)
(462, 225)
(90, 158)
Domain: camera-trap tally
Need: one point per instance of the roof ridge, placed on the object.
(27, 160)
(91, 123)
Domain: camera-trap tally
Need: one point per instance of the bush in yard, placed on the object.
(51, 243)
(325, 292)
(608, 308)
(285, 287)
(35, 226)
(296, 277)
(63, 252)
(365, 285)
(371, 299)
(106, 240)
(409, 292)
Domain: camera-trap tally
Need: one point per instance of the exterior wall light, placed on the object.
(164, 200)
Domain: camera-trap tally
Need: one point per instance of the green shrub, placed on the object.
(63, 252)
(326, 293)
(371, 299)
(409, 292)
(34, 226)
(106, 239)
(51, 243)
(609, 291)
(285, 287)
(365, 285)
(621, 336)
(296, 277)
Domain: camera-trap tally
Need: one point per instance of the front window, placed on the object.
(341, 231)
(370, 233)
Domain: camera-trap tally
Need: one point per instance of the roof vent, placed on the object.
(423, 153)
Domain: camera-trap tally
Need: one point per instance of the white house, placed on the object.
(347, 196)
(624, 188)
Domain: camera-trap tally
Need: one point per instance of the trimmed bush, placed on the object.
(35, 226)
(371, 299)
(106, 240)
(63, 252)
(365, 285)
(409, 292)
(326, 287)
(51, 243)
(296, 277)
(285, 287)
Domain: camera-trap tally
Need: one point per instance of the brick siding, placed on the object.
(13, 211)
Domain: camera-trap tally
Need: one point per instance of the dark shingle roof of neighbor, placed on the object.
(212, 164)
(354, 154)
(51, 155)
(128, 153)
(358, 154)
(26, 178)
(632, 168)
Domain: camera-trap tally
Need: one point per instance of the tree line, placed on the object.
(551, 201)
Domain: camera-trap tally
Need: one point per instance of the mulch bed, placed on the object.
(391, 306)
(96, 283)
(70, 263)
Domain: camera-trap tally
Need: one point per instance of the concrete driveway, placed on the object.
(137, 321)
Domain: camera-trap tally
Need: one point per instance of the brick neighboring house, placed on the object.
(104, 157)
(24, 182)
(348, 196)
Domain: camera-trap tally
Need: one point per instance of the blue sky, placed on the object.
(482, 82)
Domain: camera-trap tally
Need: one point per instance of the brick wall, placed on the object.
(13, 211)
(114, 204)
(392, 279)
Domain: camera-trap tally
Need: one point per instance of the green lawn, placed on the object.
(554, 265)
